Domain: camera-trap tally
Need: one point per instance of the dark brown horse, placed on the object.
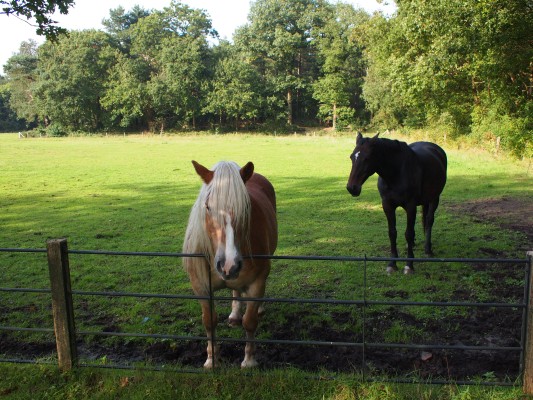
(409, 176)
(233, 217)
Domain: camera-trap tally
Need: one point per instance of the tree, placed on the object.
(177, 89)
(72, 75)
(21, 73)
(126, 98)
(342, 63)
(173, 44)
(119, 23)
(467, 64)
(278, 40)
(9, 121)
(39, 10)
(235, 89)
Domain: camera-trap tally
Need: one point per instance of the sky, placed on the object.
(226, 16)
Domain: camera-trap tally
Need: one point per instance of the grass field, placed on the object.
(134, 194)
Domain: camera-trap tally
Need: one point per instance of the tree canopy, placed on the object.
(40, 11)
(462, 66)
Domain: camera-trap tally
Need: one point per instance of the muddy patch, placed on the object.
(511, 213)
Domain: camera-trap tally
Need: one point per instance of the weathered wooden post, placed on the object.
(528, 350)
(62, 306)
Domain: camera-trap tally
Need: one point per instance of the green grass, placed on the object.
(45, 382)
(134, 194)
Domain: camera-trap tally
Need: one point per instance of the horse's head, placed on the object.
(363, 164)
(227, 213)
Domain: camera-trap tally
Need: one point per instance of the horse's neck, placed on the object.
(395, 159)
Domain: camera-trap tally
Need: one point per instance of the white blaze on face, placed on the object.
(231, 251)
(356, 155)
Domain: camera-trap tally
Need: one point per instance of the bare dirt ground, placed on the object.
(511, 213)
(481, 327)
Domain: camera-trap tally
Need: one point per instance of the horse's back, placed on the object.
(434, 164)
(261, 186)
(263, 199)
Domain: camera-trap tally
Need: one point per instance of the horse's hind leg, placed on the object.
(235, 318)
(425, 208)
(429, 213)
(410, 238)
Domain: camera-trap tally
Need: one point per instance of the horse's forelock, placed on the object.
(226, 193)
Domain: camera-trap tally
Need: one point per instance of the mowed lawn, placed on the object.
(134, 193)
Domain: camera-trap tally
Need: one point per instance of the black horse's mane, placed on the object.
(391, 145)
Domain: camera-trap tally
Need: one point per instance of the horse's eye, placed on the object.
(207, 207)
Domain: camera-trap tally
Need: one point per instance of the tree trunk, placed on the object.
(334, 116)
(289, 107)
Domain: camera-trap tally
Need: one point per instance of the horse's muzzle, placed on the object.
(354, 190)
(229, 273)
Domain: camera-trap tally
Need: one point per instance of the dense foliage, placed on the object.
(40, 11)
(464, 67)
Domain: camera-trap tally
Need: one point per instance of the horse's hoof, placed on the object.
(407, 270)
(249, 363)
(391, 270)
(234, 322)
(208, 364)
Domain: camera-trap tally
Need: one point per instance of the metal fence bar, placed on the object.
(24, 290)
(302, 300)
(306, 342)
(280, 257)
(18, 250)
(22, 329)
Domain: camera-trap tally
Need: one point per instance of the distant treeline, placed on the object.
(462, 66)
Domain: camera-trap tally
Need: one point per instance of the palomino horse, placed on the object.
(409, 176)
(233, 218)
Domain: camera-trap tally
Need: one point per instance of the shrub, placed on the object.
(56, 130)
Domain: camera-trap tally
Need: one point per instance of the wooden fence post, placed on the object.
(528, 350)
(62, 306)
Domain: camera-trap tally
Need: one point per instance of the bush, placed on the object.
(56, 130)
(514, 133)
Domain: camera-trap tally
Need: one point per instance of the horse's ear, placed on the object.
(359, 138)
(203, 172)
(376, 136)
(247, 171)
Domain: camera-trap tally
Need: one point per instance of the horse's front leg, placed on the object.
(390, 213)
(410, 237)
(210, 320)
(250, 322)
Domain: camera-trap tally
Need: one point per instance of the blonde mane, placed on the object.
(226, 193)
